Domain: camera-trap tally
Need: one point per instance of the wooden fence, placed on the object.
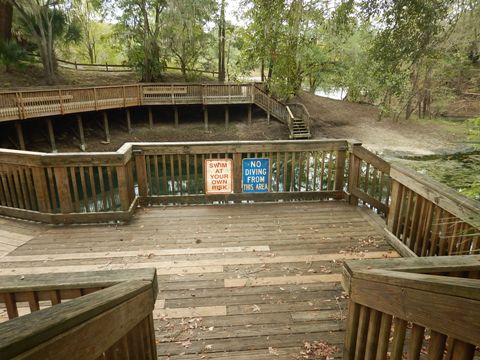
(413, 308)
(80, 328)
(424, 218)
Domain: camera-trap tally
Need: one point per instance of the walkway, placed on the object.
(249, 281)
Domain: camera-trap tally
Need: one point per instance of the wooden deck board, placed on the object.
(236, 281)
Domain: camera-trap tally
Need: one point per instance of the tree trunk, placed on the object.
(6, 13)
(221, 43)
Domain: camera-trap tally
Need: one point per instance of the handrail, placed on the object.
(83, 187)
(384, 293)
(86, 327)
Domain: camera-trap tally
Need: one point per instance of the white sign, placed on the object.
(218, 176)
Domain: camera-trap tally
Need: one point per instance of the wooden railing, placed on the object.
(25, 104)
(413, 308)
(300, 111)
(424, 218)
(369, 179)
(430, 218)
(108, 315)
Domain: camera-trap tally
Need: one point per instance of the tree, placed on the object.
(140, 27)
(6, 15)
(37, 17)
(221, 42)
(85, 12)
(184, 31)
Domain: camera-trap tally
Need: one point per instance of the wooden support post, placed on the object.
(227, 116)
(340, 170)
(21, 139)
(150, 117)
(51, 135)
(175, 115)
(354, 175)
(249, 114)
(81, 134)
(63, 188)
(205, 117)
(106, 128)
(141, 167)
(268, 117)
(129, 120)
(237, 173)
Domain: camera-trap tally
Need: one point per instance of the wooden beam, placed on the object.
(106, 128)
(249, 113)
(205, 117)
(21, 139)
(268, 117)
(81, 133)
(175, 115)
(227, 116)
(128, 120)
(51, 134)
(150, 117)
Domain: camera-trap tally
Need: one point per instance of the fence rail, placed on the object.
(424, 218)
(80, 328)
(25, 104)
(413, 308)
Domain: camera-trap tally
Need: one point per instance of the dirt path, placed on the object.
(340, 119)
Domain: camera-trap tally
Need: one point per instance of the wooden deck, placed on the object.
(247, 281)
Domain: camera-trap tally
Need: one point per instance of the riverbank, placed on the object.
(439, 148)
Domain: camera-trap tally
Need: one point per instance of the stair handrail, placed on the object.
(426, 303)
(290, 119)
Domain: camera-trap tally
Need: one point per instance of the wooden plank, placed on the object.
(129, 302)
(408, 304)
(282, 280)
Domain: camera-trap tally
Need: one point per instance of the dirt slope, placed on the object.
(341, 119)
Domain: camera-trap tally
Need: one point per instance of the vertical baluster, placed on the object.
(10, 304)
(372, 337)
(330, 171)
(351, 330)
(292, 173)
(195, 171)
(102, 188)
(93, 188)
(400, 329)
(315, 169)
(415, 343)
(164, 175)
(180, 174)
(188, 183)
(285, 171)
(384, 336)
(111, 188)
(277, 172)
(362, 332)
(157, 176)
(172, 174)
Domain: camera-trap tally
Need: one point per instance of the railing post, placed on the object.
(141, 167)
(41, 191)
(63, 189)
(123, 190)
(237, 173)
(340, 170)
(394, 208)
(354, 174)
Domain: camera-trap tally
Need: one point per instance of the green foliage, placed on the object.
(11, 55)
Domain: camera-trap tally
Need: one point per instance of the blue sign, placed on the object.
(255, 175)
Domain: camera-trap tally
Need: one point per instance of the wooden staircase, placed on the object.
(300, 130)
(295, 116)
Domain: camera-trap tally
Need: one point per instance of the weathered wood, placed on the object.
(448, 199)
(51, 135)
(175, 116)
(106, 127)
(21, 139)
(205, 117)
(58, 330)
(128, 119)
(227, 116)
(81, 134)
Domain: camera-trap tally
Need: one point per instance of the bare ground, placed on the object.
(341, 119)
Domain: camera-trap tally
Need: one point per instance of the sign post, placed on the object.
(218, 176)
(255, 175)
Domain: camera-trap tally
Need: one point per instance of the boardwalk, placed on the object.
(235, 281)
